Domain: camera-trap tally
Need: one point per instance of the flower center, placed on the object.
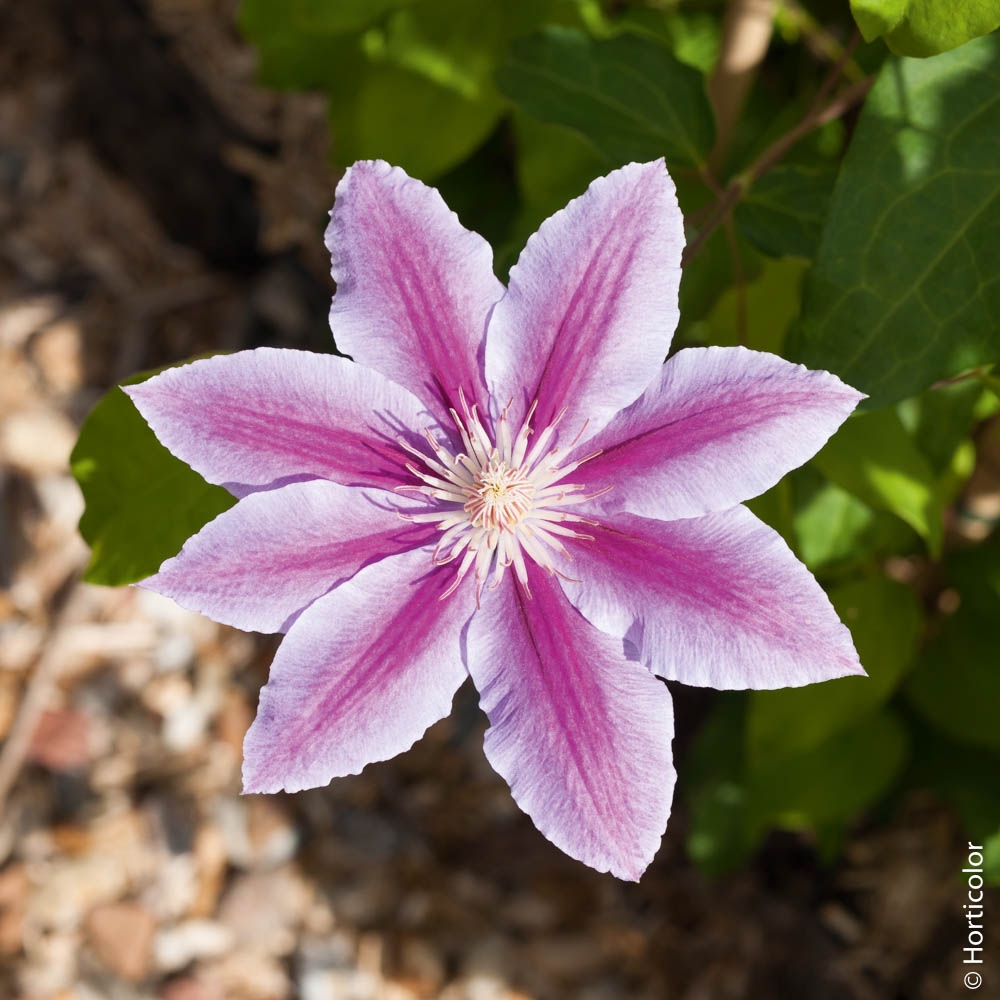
(499, 497)
(497, 502)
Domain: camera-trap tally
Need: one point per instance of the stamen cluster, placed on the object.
(498, 501)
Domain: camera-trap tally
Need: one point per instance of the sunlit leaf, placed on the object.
(874, 458)
(830, 525)
(692, 35)
(905, 289)
(925, 27)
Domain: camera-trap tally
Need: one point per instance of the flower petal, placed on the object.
(720, 425)
(592, 303)
(252, 420)
(414, 287)
(716, 601)
(264, 560)
(581, 735)
(360, 676)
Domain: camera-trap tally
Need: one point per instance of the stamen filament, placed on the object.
(500, 499)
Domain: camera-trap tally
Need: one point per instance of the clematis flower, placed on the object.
(507, 484)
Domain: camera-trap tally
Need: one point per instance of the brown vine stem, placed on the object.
(835, 74)
(982, 373)
(846, 100)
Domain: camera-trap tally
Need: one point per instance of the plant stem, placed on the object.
(742, 183)
(834, 75)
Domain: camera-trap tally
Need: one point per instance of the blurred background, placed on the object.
(166, 167)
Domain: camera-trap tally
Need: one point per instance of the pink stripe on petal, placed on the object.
(592, 303)
(360, 676)
(715, 601)
(414, 287)
(581, 735)
(251, 420)
(264, 560)
(718, 426)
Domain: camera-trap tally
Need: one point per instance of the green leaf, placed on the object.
(387, 119)
(718, 841)
(713, 786)
(884, 618)
(554, 165)
(905, 289)
(835, 533)
(776, 509)
(428, 66)
(783, 213)
(692, 35)
(628, 95)
(298, 50)
(963, 775)
(830, 784)
(142, 504)
(410, 81)
(874, 458)
(829, 526)
(956, 686)
(976, 574)
(821, 789)
(262, 20)
(772, 302)
(941, 419)
(925, 27)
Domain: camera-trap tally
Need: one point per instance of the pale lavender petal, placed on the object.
(251, 420)
(581, 734)
(719, 425)
(716, 601)
(592, 304)
(414, 287)
(360, 676)
(264, 560)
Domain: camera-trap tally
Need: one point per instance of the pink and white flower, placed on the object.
(507, 484)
